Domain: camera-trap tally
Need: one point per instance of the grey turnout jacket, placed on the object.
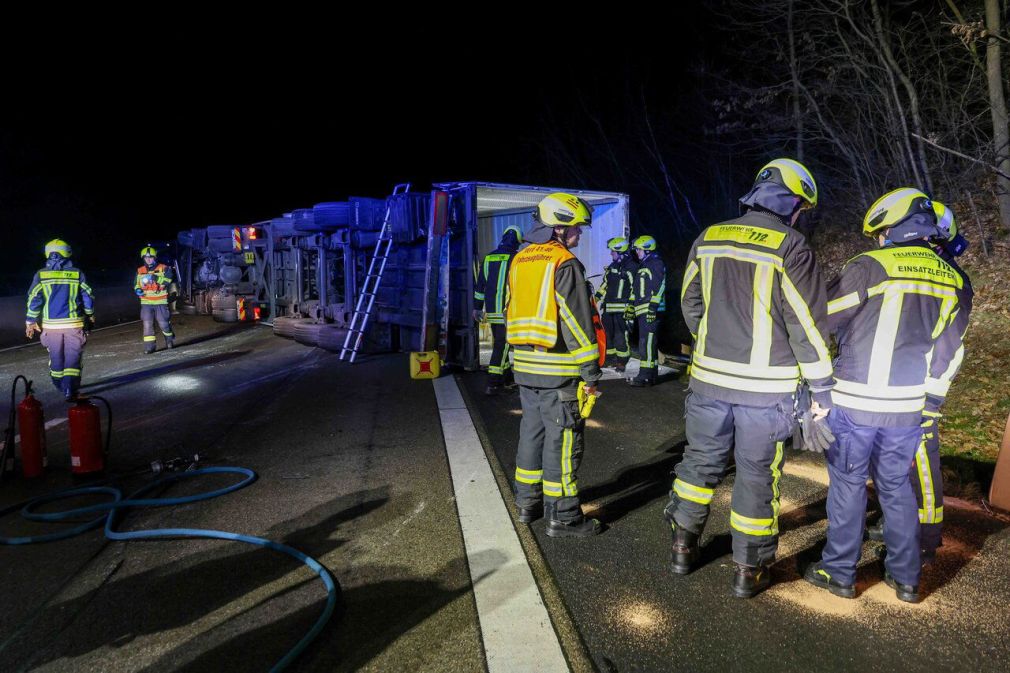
(756, 304)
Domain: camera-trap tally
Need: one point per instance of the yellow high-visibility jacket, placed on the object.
(549, 318)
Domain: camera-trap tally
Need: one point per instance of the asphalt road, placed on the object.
(634, 615)
(353, 470)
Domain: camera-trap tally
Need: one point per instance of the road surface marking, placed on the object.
(514, 623)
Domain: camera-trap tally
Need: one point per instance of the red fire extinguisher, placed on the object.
(86, 453)
(33, 436)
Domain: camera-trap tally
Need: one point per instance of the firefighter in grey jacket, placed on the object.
(754, 301)
(650, 289)
(613, 297)
(552, 325)
(894, 311)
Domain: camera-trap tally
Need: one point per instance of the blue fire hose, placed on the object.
(110, 512)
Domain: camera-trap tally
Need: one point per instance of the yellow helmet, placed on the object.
(513, 228)
(945, 221)
(148, 252)
(563, 210)
(792, 175)
(645, 243)
(618, 244)
(893, 208)
(60, 247)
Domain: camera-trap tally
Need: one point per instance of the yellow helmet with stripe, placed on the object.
(893, 208)
(792, 175)
(618, 244)
(645, 243)
(514, 229)
(945, 221)
(60, 247)
(561, 209)
(148, 252)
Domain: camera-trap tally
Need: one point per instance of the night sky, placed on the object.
(116, 142)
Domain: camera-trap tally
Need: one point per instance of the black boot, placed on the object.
(749, 581)
(905, 592)
(149, 349)
(685, 551)
(583, 527)
(530, 514)
(492, 389)
(819, 578)
(876, 531)
(170, 342)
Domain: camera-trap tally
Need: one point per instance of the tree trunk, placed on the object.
(797, 116)
(997, 104)
(921, 168)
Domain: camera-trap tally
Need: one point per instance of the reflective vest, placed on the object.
(153, 284)
(532, 316)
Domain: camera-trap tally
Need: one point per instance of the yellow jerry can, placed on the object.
(424, 365)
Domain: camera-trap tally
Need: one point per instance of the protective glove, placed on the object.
(140, 293)
(89, 323)
(31, 329)
(817, 435)
(650, 315)
(478, 315)
(629, 312)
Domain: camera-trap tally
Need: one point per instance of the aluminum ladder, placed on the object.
(369, 289)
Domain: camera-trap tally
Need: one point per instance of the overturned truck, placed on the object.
(304, 272)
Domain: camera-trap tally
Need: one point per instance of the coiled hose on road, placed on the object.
(111, 512)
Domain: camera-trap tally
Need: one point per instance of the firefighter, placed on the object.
(647, 302)
(754, 301)
(153, 280)
(551, 323)
(927, 480)
(613, 296)
(894, 311)
(64, 301)
(490, 298)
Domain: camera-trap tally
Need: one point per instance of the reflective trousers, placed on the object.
(927, 484)
(617, 336)
(754, 435)
(550, 451)
(66, 348)
(647, 349)
(150, 314)
(500, 350)
(861, 452)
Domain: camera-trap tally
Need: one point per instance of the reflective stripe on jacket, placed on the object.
(618, 284)
(755, 302)
(650, 285)
(153, 282)
(550, 297)
(491, 291)
(895, 314)
(59, 296)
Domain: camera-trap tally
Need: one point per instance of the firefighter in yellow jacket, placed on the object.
(550, 322)
(153, 280)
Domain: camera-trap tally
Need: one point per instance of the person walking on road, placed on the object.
(62, 300)
(151, 286)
